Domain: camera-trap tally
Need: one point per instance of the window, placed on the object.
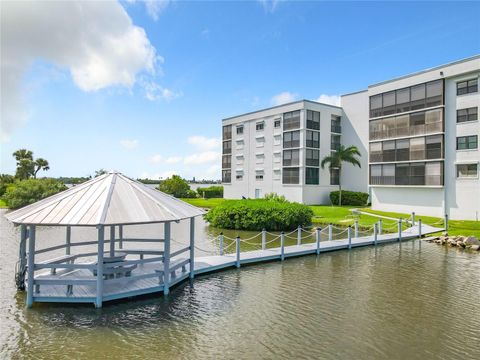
(417, 123)
(240, 130)
(291, 157)
(227, 147)
(434, 146)
(382, 174)
(291, 139)
(433, 121)
(401, 125)
(467, 171)
(402, 174)
(402, 150)
(417, 174)
(470, 114)
(313, 120)
(260, 142)
(403, 100)
(291, 175)
(291, 120)
(258, 177)
(259, 158)
(467, 87)
(434, 173)
(467, 142)
(259, 126)
(417, 97)
(389, 151)
(226, 161)
(239, 177)
(227, 132)
(311, 176)
(336, 124)
(434, 93)
(226, 176)
(312, 157)
(376, 152)
(335, 142)
(334, 176)
(376, 106)
(313, 139)
(277, 124)
(417, 148)
(389, 103)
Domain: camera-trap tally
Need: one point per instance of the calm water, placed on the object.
(395, 302)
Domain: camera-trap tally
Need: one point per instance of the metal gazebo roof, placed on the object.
(110, 199)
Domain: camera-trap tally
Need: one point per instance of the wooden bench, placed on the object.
(67, 259)
(173, 268)
(125, 270)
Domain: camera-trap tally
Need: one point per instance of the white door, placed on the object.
(258, 194)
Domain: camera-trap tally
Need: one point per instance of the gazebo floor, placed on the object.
(114, 289)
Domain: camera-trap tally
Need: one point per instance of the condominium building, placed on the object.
(418, 136)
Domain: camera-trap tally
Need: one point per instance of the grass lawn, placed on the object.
(455, 227)
(204, 203)
(3, 204)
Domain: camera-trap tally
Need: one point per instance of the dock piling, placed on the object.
(220, 243)
(166, 259)
(445, 222)
(349, 232)
(380, 225)
(237, 240)
(68, 237)
(192, 248)
(264, 239)
(400, 229)
(282, 246)
(419, 228)
(317, 238)
(99, 294)
(413, 218)
(330, 236)
(299, 235)
(31, 265)
(356, 228)
(375, 233)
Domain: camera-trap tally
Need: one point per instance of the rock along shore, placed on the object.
(465, 242)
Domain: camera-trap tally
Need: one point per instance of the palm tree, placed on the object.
(335, 160)
(40, 164)
(25, 165)
(22, 154)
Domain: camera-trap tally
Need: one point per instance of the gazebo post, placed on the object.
(31, 264)
(166, 258)
(101, 238)
(22, 258)
(112, 240)
(120, 236)
(68, 240)
(192, 247)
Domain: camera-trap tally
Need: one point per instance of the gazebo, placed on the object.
(111, 201)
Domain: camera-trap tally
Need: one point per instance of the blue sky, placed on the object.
(145, 92)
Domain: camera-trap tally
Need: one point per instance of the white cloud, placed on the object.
(154, 91)
(269, 6)
(329, 99)
(155, 159)
(129, 144)
(95, 41)
(174, 160)
(204, 143)
(283, 98)
(203, 158)
(156, 7)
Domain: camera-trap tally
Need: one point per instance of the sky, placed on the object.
(141, 86)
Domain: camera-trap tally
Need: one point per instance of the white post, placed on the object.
(192, 247)
(445, 222)
(356, 228)
(380, 227)
(349, 232)
(420, 228)
(31, 265)
(282, 246)
(120, 236)
(317, 238)
(299, 235)
(220, 240)
(413, 218)
(237, 248)
(68, 240)
(166, 259)
(375, 233)
(264, 239)
(101, 239)
(400, 229)
(330, 232)
(112, 240)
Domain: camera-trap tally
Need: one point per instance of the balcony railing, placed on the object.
(336, 129)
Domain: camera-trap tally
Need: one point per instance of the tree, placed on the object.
(335, 160)
(25, 164)
(40, 164)
(177, 187)
(100, 172)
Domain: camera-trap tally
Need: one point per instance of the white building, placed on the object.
(418, 136)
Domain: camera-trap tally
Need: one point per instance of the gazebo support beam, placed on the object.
(120, 236)
(166, 259)
(68, 239)
(31, 265)
(112, 240)
(22, 258)
(192, 247)
(101, 238)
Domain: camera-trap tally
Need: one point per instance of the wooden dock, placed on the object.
(80, 285)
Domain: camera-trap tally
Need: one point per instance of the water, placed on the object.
(395, 302)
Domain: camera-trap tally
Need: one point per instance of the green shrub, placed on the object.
(176, 186)
(5, 180)
(355, 198)
(210, 192)
(275, 197)
(27, 192)
(259, 214)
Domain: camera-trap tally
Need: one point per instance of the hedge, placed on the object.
(258, 214)
(210, 192)
(355, 198)
(27, 192)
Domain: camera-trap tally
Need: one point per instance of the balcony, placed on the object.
(337, 129)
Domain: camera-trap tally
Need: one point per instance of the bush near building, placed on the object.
(355, 198)
(210, 192)
(177, 187)
(27, 192)
(259, 214)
